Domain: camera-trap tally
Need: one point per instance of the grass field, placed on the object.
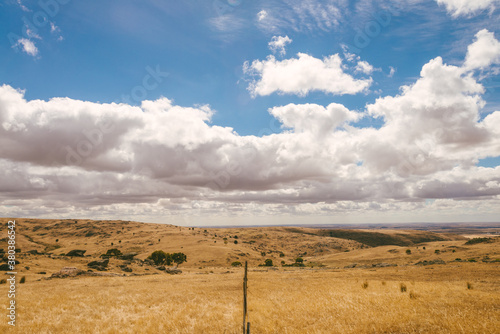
(455, 297)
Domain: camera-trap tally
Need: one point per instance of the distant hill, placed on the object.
(45, 243)
(397, 238)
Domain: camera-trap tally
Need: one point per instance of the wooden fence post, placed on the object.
(246, 326)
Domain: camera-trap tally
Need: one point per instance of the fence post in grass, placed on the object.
(246, 326)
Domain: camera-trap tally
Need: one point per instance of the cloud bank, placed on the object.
(67, 157)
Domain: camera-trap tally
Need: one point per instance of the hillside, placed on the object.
(45, 243)
(404, 285)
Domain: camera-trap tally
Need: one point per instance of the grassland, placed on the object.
(323, 297)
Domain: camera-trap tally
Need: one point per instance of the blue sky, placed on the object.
(216, 61)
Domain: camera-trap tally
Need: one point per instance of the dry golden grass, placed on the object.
(292, 301)
(458, 297)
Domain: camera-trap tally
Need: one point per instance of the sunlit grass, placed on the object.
(295, 301)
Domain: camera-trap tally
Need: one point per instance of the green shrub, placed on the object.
(299, 260)
(112, 252)
(236, 264)
(364, 285)
(268, 263)
(159, 257)
(478, 241)
(22, 280)
(179, 257)
(402, 287)
(469, 286)
(408, 251)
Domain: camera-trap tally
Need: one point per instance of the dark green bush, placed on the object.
(179, 257)
(478, 241)
(112, 252)
(159, 257)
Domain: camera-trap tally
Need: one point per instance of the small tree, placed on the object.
(159, 257)
(299, 260)
(268, 263)
(179, 258)
(408, 251)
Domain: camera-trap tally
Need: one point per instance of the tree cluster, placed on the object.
(159, 257)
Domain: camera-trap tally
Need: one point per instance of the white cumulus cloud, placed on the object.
(302, 75)
(278, 44)
(27, 46)
(314, 118)
(161, 160)
(484, 52)
(261, 15)
(364, 67)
